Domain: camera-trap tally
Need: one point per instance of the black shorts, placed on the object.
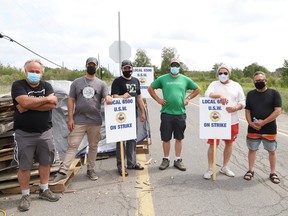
(33, 147)
(175, 124)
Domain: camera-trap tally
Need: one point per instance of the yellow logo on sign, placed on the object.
(215, 116)
(121, 117)
(142, 80)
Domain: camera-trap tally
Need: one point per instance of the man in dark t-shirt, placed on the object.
(127, 86)
(33, 100)
(263, 106)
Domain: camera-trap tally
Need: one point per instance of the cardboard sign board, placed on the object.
(120, 120)
(215, 121)
(146, 76)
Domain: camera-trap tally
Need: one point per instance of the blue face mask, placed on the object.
(33, 78)
(174, 70)
(223, 78)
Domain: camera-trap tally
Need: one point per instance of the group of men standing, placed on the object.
(34, 101)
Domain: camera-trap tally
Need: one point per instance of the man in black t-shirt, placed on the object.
(33, 100)
(127, 86)
(263, 106)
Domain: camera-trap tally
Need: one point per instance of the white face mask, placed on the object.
(223, 78)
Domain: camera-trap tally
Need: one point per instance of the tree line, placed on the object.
(278, 78)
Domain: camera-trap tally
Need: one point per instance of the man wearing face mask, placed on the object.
(84, 117)
(263, 106)
(34, 100)
(127, 86)
(231, 94)
(173, 113)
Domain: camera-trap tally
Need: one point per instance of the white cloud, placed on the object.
(206, 32)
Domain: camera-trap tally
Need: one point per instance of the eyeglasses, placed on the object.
(175, 65)
(225, 73)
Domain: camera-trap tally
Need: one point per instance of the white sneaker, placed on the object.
(208, 174)
(227, 171)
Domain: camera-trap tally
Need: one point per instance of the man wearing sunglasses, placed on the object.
(173, 113)
(231, 94)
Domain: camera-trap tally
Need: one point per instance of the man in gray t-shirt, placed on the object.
(84, 117)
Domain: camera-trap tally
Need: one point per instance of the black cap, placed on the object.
(126, 63)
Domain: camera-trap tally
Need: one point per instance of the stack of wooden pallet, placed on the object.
(6, 133)
(8, 167)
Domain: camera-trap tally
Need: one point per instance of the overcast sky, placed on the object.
(204, 32)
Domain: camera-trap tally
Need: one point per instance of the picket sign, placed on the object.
(120, 123)
(215, 123)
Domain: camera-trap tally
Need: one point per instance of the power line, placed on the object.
(10, 39)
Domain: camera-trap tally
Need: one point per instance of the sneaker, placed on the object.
(227, 171)
(208, 174)
(24, 203)
(179, 165)
(57, 178)
(165, 163)
(92, 175)
(48, 195)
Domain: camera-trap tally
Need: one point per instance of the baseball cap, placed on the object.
(175, 60)
(92, 60)
(126, 63)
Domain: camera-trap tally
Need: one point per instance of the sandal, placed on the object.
(274, 178)
(248, 176)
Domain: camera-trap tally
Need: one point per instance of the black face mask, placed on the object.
(127, 74)
(91, 70)
(259, 85)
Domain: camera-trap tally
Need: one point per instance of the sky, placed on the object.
(67, 32)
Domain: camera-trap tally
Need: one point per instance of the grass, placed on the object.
(5, 89)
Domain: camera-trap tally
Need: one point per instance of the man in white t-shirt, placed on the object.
(231, 94)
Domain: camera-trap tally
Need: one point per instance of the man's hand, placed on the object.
(126, 95)
(223, 100)
(20, 108)
(108, 99)
(52, 99)
(71, 124)
(161, 101)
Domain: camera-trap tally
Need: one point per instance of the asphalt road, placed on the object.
(173, 192)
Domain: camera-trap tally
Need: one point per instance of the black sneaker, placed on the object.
(165, 163)
(24, 203)
(179, 165)
(48, 195)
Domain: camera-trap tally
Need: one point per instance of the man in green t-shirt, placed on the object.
(173, 113)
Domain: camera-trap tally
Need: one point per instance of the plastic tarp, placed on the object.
(60, 120)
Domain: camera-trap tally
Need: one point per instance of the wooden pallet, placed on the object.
(143, 147)
(9, 182)
(63, 184)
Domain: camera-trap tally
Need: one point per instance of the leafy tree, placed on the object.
(106, 74)
(141, 59)
(284, 74)
(213, 72)
(167, 55)
(236, 74)
(251, 69)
